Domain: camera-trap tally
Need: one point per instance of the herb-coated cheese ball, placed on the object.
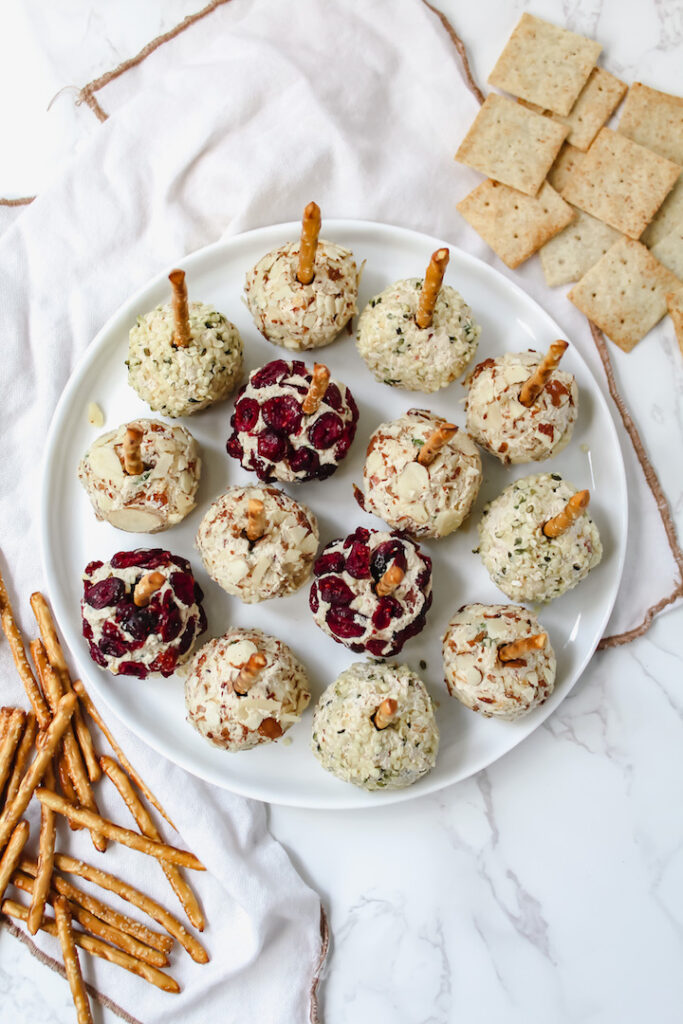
(475, 672)
(524, 563)
(348, 743)
(271, 703)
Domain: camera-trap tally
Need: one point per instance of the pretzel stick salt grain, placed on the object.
(385, 713)
(256, 519)
(132, 460)
(517, 649)
(435, 442)
(389, 581)
(148, 585)
(12, 854)
(87, 703)
(14, 726)
(559, 524)
(431, 287)
(310, 229)
(249, 673)
(22, 756)
(532, 387)
(102, 949)
(40, 764)
(46, 854)
(138, 899)
(316, 389)
(71, 963)
(179, 885)
(182, 335)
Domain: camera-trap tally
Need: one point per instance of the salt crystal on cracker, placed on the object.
(654, 119)
(568, 256)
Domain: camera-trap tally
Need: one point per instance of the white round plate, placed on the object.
(287, 772)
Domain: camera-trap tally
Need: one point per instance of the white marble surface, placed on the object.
(550, 887)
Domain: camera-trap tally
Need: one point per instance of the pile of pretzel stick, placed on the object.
(47, 753)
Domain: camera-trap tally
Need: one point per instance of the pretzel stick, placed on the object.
(435, 442)
(256, 519)
(179, 885)
(310, 229)
(87, 703)
(431, 287)
(40, 764)
(559, 524)
(132, 461)
(316, 389)
(249, 673)
(389, 581)
(67, 788)
(98, 948)
(4, 719)
(12, 854)
(182, 335)
(56, 658)
(532, 387)
(46, 854)
(145, 587)
(385, 713)
(16, 643)
(10, 741)
(22, 756)
(121, 922)
(138, 899)
(518, 648)
(71, 962)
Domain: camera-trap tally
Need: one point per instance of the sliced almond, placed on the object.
(136, 520)
(240, 652)
(105, 463)
(412, 481)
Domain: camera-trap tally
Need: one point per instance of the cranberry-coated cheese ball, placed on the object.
(258, 543)
(154, 495)
(520, 559)
(480, 677)
(141, 612)
(428, 498)
(245, 688)
(348, 742)
(513, 432)
(274, 437)
(372, 591)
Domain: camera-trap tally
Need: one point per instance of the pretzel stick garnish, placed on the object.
(102, 949)
(40, 764)
(431, 287)
(22, 756)
(316, 389)
(385, 713)
(532, 387)
(138, 899)
(310, 229)
(560, 523)
(46, 854)
(179, 885)
(390, 580)
(14, 726)
(56, 658)
(148, 585)
(132, 460)
(87, 703)
(249, 673)
(518, 648)
(12, 854)
(256, 519)
(71, 963)
(435, 442)
(182, 335)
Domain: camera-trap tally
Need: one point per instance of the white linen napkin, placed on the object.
(237, 122)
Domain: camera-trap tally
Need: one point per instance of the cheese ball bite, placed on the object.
(183, 358)
(421, 475)
(141, 612)
(244, 689)
(143, 476)
(529, 555)
(501, 423)
(407, 350)
(302, 294)
(258, 543)
(497, 660)
(375, 727)
(372, 591)
(292, 423)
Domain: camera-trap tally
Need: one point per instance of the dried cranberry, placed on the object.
(345, 442)
(133, 668)
(92, 567)
(271, 373)
(184, 586)
(97, 655)
(305, 461)
(326, 431)
(246, 414)
(332, 561)
(378, 648)
(358, 561)
(234, 448)
(353, 408)
(389, 552)
(150, 558)
(263, 470)
(283, 414)
(202, 624)
(165, 663)
(105, 593)
(333, 397)
(139, 622)
(342, 622)
(360, 534)
(299, 369)
(313, 602)
(170, 623)
(327, 469)
(87, 630)
(188, 636)
(387, 609)
(181, 562)
(333, 590)
(112, 647)
(198, 593)
(425, 575)
(271, 446)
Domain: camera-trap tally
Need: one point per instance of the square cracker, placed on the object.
(510, 144)
(669, 251)
(568, 159)
(513, 224)
(568, 256)
(669, 214)
(654, 119)
(674, 302)
(599, 98)
(545, 64)
(620, 182)
(624, 293)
